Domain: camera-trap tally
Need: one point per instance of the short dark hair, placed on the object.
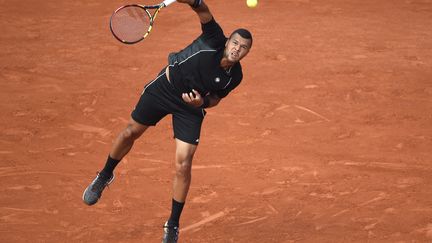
(243, 33)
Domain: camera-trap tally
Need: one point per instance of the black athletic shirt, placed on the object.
(198, 65)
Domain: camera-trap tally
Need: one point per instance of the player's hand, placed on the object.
(193, 98)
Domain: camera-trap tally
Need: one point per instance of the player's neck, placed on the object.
(225, 63)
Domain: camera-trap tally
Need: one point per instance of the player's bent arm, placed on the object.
(203, 13)
(213, 100)
(202, 10)
(194, 98)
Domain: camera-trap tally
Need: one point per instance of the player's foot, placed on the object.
(170, 233)
(94, 191)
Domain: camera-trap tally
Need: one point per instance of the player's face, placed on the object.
(236, 48)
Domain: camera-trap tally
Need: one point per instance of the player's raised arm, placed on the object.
(201, 8)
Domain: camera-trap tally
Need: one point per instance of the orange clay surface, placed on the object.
(327, 139)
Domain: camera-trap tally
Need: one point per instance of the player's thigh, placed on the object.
(184, 151)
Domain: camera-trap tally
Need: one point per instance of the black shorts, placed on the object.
(159, 99)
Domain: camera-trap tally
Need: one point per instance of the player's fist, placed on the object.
(193, 98)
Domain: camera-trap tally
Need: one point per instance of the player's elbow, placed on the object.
(214, 101)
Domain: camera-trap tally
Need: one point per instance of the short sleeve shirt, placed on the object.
(198, 65)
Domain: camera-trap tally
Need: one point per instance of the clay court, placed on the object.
(327, 139)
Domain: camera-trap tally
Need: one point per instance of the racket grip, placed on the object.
(168, 2)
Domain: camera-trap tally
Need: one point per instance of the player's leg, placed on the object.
(182, 179)
(121, 146)
(187, 129)
(183, 166)
(147, 112)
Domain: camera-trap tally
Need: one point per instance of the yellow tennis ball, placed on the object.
(251, 3)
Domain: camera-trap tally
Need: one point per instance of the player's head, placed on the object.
(238, 45)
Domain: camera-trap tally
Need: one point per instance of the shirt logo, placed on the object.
(217, 79)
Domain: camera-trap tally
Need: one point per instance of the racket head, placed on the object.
(131, 23)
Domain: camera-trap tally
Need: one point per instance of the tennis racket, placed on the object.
(133, 22)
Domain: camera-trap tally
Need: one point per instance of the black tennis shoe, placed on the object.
(170, 233)
(94, 191)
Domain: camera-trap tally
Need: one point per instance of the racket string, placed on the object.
(130, 23)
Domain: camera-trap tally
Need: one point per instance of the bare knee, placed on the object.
(184, 167)
(184, 155)
(132, 132)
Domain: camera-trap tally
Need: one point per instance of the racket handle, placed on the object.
(168, 2)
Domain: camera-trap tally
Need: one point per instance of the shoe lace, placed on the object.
(100, 183)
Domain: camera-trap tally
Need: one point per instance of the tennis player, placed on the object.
(197, 77)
